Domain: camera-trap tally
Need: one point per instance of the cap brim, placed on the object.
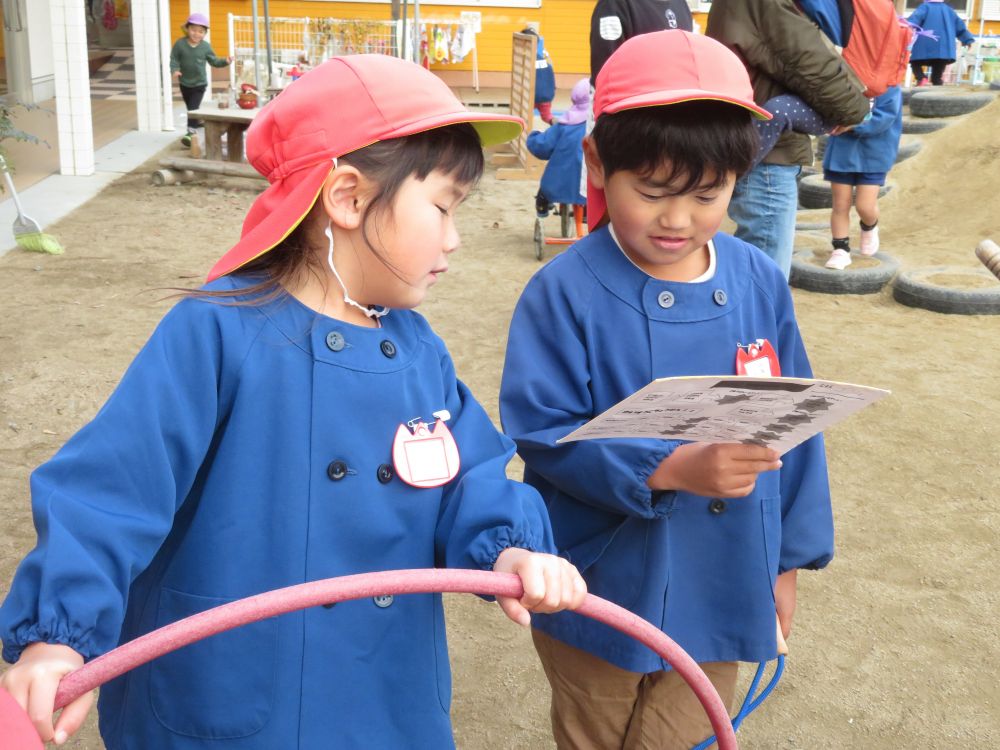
(492, 129)
(279, 220)
(290, 208)
(660, 98)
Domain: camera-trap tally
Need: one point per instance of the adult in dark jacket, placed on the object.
(615, 21)
(785, 52)
(938, 51)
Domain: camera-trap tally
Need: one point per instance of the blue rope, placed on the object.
(750, 703)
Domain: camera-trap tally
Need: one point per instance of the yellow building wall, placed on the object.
(565, 24)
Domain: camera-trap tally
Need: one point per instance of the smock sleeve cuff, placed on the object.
(25, 636)
(659, 502)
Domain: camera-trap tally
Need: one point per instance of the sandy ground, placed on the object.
(895, 644)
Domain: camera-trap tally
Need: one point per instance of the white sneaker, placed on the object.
(869, 241)
(839, 260)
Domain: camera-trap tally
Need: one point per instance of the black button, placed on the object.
(388, 348)
(331, 605)
(665, 299)
(382, 600)
(336, 470)
(717, 506)
(720, 297)
(335, 341)
(384, 473)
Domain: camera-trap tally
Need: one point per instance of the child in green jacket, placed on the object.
(187, 65)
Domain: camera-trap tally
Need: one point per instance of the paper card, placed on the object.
(779, 413)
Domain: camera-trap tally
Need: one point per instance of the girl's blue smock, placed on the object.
(873, 145)
(208, 477)
(562, 145)
(591, 329)
(940, 18)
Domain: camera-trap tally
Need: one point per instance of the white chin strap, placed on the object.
(372, 312)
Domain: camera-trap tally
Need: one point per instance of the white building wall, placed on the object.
(40, 37)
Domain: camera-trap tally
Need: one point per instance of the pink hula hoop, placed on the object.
(331, 590)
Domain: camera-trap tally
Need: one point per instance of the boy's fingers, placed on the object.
(72, 716)
(533, 582)
(750, 452)
(513, 609)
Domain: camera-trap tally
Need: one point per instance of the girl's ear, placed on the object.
(341, 196)
(595, 169)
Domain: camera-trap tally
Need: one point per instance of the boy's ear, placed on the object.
(341, 196)
(595, 169)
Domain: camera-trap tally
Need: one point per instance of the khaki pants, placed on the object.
(598, 706)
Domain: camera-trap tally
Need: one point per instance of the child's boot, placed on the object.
(869, 238)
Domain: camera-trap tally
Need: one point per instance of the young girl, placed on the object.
(561, 145)
(188, 57)
(855, 164)
(266, 436)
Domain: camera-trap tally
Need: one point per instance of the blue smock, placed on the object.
(942, 19)
(590, 329)
(562, 145)
(871, 146)
(545, 75)
(209, 475)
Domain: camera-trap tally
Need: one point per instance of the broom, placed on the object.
(27, 233)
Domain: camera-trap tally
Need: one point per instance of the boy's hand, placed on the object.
(714, 469)
(177, 75)
(550, 584)
(33, 681)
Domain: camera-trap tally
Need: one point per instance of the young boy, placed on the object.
(187, 64)
(702, 540)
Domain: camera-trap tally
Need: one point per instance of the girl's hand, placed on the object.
(33, 681)
(714, 469)
(550, 584)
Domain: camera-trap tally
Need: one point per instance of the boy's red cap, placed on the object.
(668, 67)
(340, 106)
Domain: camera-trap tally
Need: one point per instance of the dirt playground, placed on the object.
(895, 645)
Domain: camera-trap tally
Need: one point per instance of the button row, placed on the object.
(381, 601)
(338, 469)
(666, 300)
(336, 342)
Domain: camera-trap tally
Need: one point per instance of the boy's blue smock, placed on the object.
(591, 329)
(210, 475)
(940, 18)
(871, 146)
(545, 75)
(562, 145)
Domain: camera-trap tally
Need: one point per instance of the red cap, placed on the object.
(338, 107)
(668, 67)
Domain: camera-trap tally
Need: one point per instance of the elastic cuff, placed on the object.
(13, 648)
(645, 496)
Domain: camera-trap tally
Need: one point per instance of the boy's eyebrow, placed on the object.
(705, 184)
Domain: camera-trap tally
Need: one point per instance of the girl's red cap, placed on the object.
(668, 67)
(338, 107)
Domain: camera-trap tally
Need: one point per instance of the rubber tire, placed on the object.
(815, 192)
(908, 149)
(539, 239)
(935, 104)
(917, 126)
(806, 171)
(566, 223)
(907, 93)
(911, 288)
(995, 85)
(819, 146)
(851, 280)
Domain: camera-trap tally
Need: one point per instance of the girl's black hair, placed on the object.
(700, 143)
(454, 149)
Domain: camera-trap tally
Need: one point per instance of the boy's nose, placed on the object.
(675, 215)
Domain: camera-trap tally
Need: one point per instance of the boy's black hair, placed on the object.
(701, 143)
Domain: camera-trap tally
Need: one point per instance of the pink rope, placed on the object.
(281, 601)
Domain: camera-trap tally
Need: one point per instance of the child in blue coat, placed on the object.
(562, 146)
(937, 48)
(545, 78)
(856, 164)
(269, 433)
(703, 540)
